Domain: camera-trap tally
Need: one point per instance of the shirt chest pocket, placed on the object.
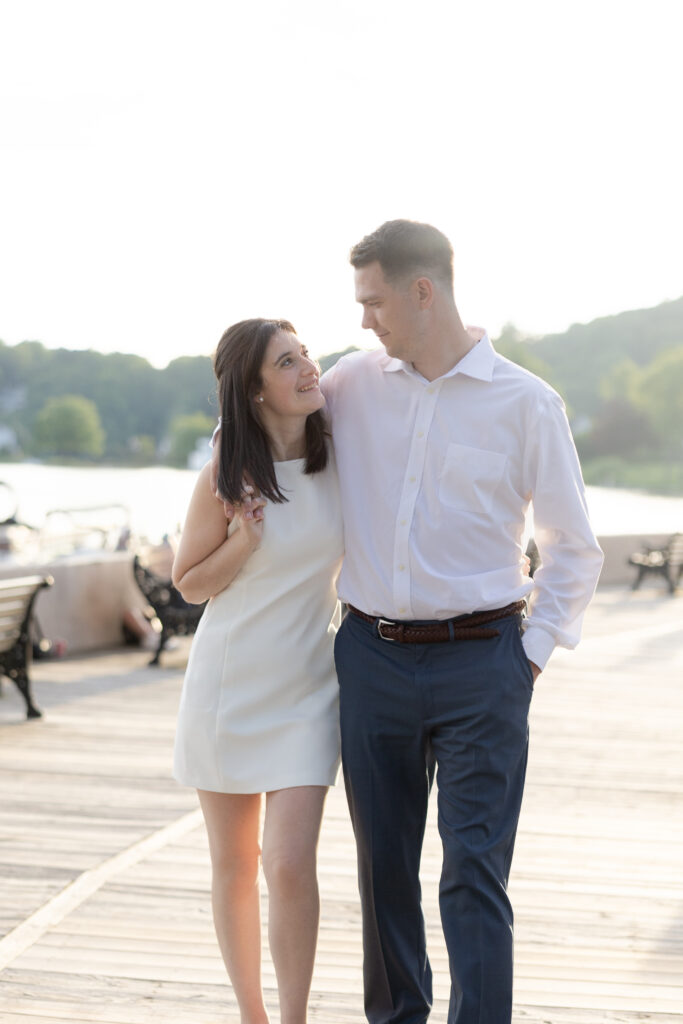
(469, 478)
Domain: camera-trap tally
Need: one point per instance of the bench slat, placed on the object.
(17, 595)
(21, 581)
(8, 625)
(13, 609)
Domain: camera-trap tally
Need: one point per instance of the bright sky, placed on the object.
(167, 168)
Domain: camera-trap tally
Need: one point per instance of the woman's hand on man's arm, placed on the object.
(207, 559)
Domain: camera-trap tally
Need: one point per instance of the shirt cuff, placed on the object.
(538, 645)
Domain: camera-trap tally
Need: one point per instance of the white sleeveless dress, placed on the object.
(259, 707)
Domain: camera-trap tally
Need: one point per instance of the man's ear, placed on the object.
(424, 289)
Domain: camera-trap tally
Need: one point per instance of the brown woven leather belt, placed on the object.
(464, 627)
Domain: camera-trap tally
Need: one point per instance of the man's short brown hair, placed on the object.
(406, 248)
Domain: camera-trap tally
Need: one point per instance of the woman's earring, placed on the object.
(259, 398)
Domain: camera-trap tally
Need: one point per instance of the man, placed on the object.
(449, 443)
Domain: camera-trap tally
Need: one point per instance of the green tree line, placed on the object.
(87, 405)
(622, 380)
(621, 377)
(117, 407)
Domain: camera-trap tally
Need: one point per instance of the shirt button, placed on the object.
(420, 433)
(401, 611)
(411, 480)
(403, 522)
(430, 391)
(401, 568)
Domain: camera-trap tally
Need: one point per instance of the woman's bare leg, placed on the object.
(232, 824)
(290, 840)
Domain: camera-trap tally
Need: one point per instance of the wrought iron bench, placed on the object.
(666, 561)
(177, 617)
(17, 596)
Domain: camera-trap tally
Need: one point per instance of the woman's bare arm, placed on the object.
(207, 559)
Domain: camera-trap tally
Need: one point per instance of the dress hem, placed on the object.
(253, 788)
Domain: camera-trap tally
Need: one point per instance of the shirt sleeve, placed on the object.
(329, 382)
(570, 556)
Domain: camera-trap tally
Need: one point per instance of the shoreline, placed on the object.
(620, 473)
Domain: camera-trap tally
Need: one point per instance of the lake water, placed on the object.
(157, 498)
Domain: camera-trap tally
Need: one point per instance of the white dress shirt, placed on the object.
(436, 478)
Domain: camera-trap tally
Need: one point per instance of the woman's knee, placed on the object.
(289, 870)
(232, 823)
(236, 868)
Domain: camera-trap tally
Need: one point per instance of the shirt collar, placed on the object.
(477, 363)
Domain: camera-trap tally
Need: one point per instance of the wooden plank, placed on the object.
(597, 880)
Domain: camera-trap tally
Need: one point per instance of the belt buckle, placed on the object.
(385, 622)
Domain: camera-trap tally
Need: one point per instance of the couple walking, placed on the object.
(410, 469)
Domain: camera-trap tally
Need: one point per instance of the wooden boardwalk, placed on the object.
(104, 899)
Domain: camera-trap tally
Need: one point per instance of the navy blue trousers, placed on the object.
(408, 710)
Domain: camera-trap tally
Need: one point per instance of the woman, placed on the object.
(259, 711)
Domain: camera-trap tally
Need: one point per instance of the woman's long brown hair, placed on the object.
(245, 446)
